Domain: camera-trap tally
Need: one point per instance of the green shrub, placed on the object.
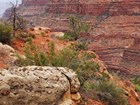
(136, 82)
(67, 36)
(65, 58)
(70, 57)
(76, 27)
(81, 46)
(82, 63)
(33, 56)
(51, 48)
(86, 70)
(88, 85)
(137, 88)
(24, 36)
(111, 93)
(5, 33)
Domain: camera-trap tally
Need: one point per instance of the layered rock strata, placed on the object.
(118, 52)
(92, 7)
(52, 13)
(34, 85)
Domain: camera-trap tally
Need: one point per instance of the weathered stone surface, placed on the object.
(7, 55)
(35, 85)
(58, 34)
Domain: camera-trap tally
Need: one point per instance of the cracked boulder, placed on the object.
(34, 85)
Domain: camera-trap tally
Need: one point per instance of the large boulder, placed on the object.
(35, 85)
(7, 56)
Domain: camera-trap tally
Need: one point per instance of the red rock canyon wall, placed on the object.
(115, 26)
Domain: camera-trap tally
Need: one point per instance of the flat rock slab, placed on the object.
(35, 85)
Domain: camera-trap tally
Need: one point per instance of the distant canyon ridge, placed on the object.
(115, 26)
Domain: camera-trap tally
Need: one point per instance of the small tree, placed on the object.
(76, 27)
(14, 15)
(17, 21)
(21, 23)
(110, 93)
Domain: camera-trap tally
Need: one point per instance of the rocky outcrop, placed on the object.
(131, 58)
(7, 56)
(118, 52)
(35, 85)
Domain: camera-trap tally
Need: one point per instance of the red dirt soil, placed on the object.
(41, 41)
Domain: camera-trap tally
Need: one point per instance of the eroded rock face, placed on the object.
(7, 56)
(34, 85)
(55, 13)
(119, 52)
(92, 7)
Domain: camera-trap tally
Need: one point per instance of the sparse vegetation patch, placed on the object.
(5, 33)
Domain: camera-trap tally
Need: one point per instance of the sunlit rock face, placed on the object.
(35, 85)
